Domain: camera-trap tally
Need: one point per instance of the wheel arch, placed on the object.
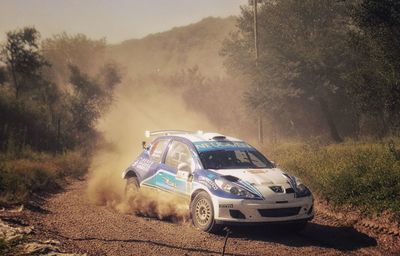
(196, 192)
(129, 173)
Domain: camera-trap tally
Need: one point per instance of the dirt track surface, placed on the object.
(97, 230)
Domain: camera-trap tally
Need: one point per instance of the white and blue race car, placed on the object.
(225, 180)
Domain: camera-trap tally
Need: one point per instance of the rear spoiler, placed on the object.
(149, 134)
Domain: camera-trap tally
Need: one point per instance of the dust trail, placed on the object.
(138, 107)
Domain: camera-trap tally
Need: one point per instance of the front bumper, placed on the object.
(262, 211)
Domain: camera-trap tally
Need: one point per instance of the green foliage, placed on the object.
(302, 51)
(22, 55)
(324, 67)
(362, 174)
(375, 80)
(48, 114)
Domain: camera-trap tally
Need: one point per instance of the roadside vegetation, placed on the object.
(328, 70)
(35, 173)
(325, 68)
(360, 174)
(52, 92)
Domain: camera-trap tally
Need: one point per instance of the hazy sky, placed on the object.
(116, 20)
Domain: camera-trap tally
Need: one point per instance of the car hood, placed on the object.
(262, 180)
(257, 177)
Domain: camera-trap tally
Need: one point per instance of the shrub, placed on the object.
(362, 174)
(37, 173)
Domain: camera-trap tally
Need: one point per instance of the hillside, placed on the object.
(176, 49)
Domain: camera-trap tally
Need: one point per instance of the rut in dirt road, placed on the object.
(97, 230)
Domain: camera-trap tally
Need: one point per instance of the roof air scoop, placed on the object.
(214, 136)
(219, 137)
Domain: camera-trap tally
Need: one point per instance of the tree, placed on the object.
(375, 85)
(23, 58)
(91, 97)
(303, 52)
(3, 75)
(63, 50)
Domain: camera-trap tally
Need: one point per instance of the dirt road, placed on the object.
(97, 230)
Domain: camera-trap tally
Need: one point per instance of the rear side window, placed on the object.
(157, 150)
(179, 153)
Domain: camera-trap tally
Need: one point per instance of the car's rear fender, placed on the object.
(129, 173)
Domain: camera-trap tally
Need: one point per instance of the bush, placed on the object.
(72, 165)
(361, 174)
(37, 173)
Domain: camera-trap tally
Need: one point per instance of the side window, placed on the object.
(157, 150)
(179, 153)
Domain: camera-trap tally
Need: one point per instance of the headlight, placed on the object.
(232, 188)
(301, 189)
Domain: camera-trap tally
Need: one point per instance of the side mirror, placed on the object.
(274, 164)
(184, 167)
(144, 146)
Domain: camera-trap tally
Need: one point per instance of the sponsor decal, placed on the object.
(182, 175)
(215, 145)
(169, 182)
(144, 164)
(211, 176)
(291, 181)
(255, 171)
(208, 183)
(250, 187)
(226, 206)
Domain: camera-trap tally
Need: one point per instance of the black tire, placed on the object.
(202, 212)
(131, 186)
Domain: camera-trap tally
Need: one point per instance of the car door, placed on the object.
(149, 165)
(180, 162)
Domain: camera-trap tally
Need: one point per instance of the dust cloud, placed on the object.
(138, 106)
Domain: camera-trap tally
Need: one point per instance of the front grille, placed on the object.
(281, 212)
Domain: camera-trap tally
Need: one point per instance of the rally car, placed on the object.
(226, 181)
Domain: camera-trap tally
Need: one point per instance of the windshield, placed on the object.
(234, 159)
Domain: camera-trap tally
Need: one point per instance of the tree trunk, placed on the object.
(384, 129)
(14, 76)
(329, 119)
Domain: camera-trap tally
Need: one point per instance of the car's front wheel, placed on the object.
(203, 213)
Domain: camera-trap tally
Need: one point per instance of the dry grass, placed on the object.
(365, 175)
(36, 173)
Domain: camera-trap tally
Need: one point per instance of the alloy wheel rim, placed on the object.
(203, 212)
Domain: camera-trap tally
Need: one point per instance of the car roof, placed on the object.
(198, 137)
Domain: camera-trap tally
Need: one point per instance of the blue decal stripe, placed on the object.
(203, 146)
(251, 188)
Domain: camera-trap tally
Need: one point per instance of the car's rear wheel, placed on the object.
(203, 213)
(131, 186)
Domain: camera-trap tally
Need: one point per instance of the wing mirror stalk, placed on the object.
(145, 146)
